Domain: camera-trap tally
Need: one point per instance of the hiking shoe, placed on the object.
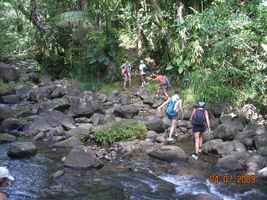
(195, 156)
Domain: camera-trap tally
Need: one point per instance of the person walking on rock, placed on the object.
(200, 124)
(5, 179)
(142, 68)
(174, 105)
(164, 85)
(126, 74)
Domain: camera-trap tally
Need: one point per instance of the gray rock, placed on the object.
(148, 100)
(168, 153)
(8, 72)
(97, 119)
(5, 112)
(262, 172)
(263, 151)
(11, 99)
(154, 123)
(79, 132)
(58, 92)
(124, 100)
(151, 136)
(255, 163)
(41, 93)
(58, 174)
(73, 141)
(127, 111)
(22, 150)
(59, 104)
(82, 158)
(6, 138)
(235, 161)
(11, 125)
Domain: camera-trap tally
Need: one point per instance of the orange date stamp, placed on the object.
(237, 179)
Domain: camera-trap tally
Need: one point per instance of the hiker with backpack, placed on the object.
(174, 105)
(200, 124)
(126, 74)
(164, 84)
(142, 68)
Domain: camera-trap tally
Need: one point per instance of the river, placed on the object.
(34, 182)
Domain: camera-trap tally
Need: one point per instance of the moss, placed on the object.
(122, 130)
(5, 88)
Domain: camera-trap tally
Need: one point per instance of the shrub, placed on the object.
(122, 130)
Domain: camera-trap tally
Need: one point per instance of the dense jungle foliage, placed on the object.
(215, 49)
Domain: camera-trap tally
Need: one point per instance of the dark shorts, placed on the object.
(172, 117)
(200, 129)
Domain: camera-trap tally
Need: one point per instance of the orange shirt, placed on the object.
(160, 78)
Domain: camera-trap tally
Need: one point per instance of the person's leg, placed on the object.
(124, 83)
(130, 80)
(173, 126)
(196, 136)
(200, 142)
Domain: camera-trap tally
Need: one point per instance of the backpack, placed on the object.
(199, 118)
(170, 108)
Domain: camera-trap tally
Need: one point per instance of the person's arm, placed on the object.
(160, 107)
(207, 119)
(3, 196)
(193, 112)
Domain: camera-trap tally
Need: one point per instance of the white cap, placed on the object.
(141, 61)
(201, 103)
(4, 173)
(175, 97)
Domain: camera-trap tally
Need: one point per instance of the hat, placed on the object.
(141, 61)
(201, 104)
(4, 173)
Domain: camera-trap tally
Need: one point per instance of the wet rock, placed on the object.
(82, 158)
(11, 99)
(22, 150)
(58, 174)
(6, 138)
(73, 141)
(234, 162)
(168, 153)
(127, 111)
(154, 123)
(262, 172)
(8, 72)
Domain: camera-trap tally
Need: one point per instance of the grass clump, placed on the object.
(122, 130)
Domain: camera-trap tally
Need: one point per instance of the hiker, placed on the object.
(164, 85)
(142, 68)
(126, 74)
(5, 179)
(174, 105)
(200, 124)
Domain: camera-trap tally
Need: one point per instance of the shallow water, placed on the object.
(33, 182)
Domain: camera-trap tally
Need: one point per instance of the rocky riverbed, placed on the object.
(48, 139)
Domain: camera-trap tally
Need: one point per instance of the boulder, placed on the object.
(97, 119)
(148, 100)
(58, 92)
(22, 150)
(222, 148)
(260, 137)
(154, 123)
(229, 129)
(23, 91)
(263, 151)
(80, 132)
(126, 111)
(124, 100)
(59, 104)
(151, 136)
(11, 99)
(82, 158)
(41, 93)
(50, 120)
(233, 162)
(168, 153)
(73, 141)
(8, 72)
(11, 125)
(6, 112)
(6, 89)
(262, 173)
(255, 163)
(6, 138)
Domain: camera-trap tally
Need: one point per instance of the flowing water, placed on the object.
(34, 182)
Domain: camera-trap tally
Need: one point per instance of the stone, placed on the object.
(262, 172)
(58, 174)
(8, 72)
(41, 93)
(82, 159)
(21, 150)
(11, 125)
(255, 163)
(233, 162)
(154, 123)
(6, 138)
(126, 111)
(5, 112)
(97, 119)
(168, 153)
(11, 99)
(73, 141)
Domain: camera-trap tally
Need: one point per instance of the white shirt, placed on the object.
(142, 66)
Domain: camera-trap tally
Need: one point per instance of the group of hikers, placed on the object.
(199, 116)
